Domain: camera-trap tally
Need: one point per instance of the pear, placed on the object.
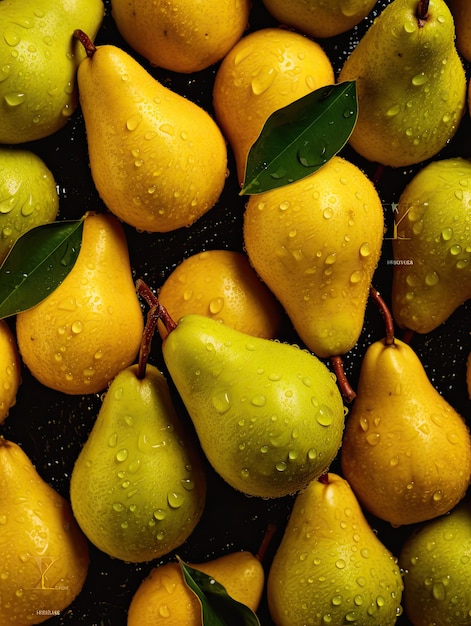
(158, 160)
(330, 567)
(90, 327)
(435, 559)
(316, 244)
(432, 251)
(137, 487)
(10, 367)
(163, 597)
(181, 35)
(38, 60)
(44, 554)
(406, 452)
(318, 18)
(269, 416)
(28, 195)
(263, 72)
(411, 83)
(461, 11)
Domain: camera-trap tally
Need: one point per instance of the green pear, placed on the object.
(28, 195)
(137, 487)
(432, 248)
(38, 64)
(269, 415)
(331, 567)
(406, 451)
(435, 559)
(411, 83)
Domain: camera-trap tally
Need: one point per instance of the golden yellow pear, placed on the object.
(265, 71)
(44, 554)
(164, 598)
(461, 11)
(320, 18)
(406, 452)
(316, 244)
(157, 159)
(223, 285)
(10, 368)
(82, 334)
(181, 35)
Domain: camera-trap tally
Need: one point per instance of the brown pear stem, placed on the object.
(346, 389)
(267, 538)
(387, 317)
(422, 11)
(378, 173)
(86, 42)
(324, 478)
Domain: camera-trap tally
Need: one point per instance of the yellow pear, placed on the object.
(82, 334)
(406, 452)
(221, 284)
(330, 567)
(164, 598)
(320, 18)
(461, 11)
(181, 35)
(265, 71)
(44, 554)
(10, 369)
(316, 244)
(158, 160)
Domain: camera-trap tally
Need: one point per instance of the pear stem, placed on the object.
(86, 42)
(422, 11)
(267, 537)
(345, 387)
(387, 317)
(152, 300)
(146, 341)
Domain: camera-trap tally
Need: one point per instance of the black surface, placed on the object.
(52, 427)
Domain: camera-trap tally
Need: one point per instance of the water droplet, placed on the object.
(336, 600)
(168, 129)
(118, 507)
(259, 400)
(263, 80)
(340, 564)
(77, 327)
(159, 514)
(419, 79)
(439, 591)
(280, 466)
(447, 234)
(373, 438)
(327, 213)
(455, 250)
(355, 277)
(221, 401)
(324, 415)
(11, 37)
(175, 499)
(216, 305)
(365, 249)
(122, 455)
(393, 110)
(14, 99)
(432, 279)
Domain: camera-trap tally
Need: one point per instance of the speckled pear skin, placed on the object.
(411, 84)
(432, 248)
(330, 567)
(269, 415)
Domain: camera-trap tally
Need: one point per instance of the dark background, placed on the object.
(52, 427)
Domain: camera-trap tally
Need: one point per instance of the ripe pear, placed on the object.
(432, 250)
(223, 285)
(157, 159)
(269, 416)
(406, 452)
(265, 71)
(435, 559)
(181, 35)
(44, 554)
(316, 244)
(411, 83)
(318, 18)
(164, 597)
(38, 60)
(28, 195)
(330, 567)
(90, 327)
(137, 487)
(10, 368)
(461, 11)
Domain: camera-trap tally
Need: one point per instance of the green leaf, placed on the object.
(218, 608)
(37, 263)
(301, 137)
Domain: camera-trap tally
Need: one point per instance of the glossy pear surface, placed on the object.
(10, 370)
(432, 251)
(436, 559)
(316, 244)
(158, 160)
(89, 328)
(411, 84)
(461, 11)
(28, 195)
(331, 567)
(44, 554)
(406, 452)
(269, 416)
(164, 597)
(181, 35)
(38, 61)
(263, 72)
(137, 488)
